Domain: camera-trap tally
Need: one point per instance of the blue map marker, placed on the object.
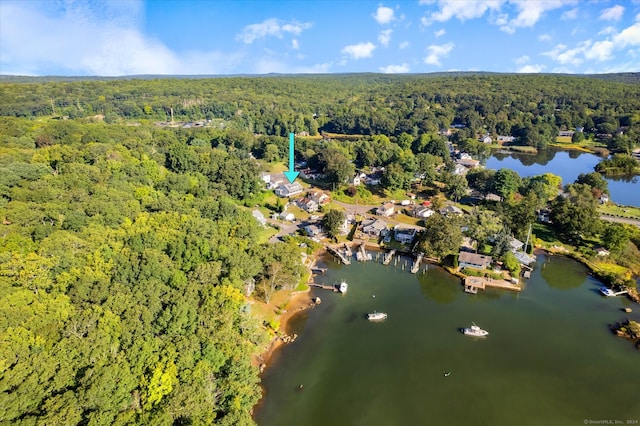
(291, 174)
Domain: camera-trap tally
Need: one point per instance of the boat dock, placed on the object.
(326, 287)
(347, 250)
(388, 257)
(334, 251)
(473, 284)
(318, 271)
(362, 254)
(416, 263)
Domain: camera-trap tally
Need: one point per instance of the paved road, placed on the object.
(285, 229)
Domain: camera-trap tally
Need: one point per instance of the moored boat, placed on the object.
(343, 287)
(475, 331)
(376, 316)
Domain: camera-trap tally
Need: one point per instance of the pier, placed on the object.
(416, 264)
(473, 284)
(347, 250)
(388, 257)
(338, 254)
(362, 255)
(326, 287)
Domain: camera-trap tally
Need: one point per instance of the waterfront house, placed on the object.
(374, 227)
(515, 245)
(259, 217)
(473, 260)
(469, 163)
(604, 199)
(565, 133)
(386, 210)
(289, 190)
(486, 139)
(601, 251)
(403, 234)
(506, 139)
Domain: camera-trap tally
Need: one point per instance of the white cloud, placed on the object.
(570, 14)
(629, 36)
(269, 64)
(600, 51)
(403, 45)
(613, 13)
(385, 37)
(460, 9)
(544, 37)
(530, 12)
(270, 28)
(439, 33)
(530, 69)
(82, 38)
(608, 31)
(360, 50)
(563, 55)
(437, 52)
(522, 60)
(384, 15)
(295, 44)
(395, 69)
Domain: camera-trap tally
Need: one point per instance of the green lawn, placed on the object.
(620, 211)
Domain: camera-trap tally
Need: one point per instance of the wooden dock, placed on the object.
(347, 250)
(326, 287)
(338, 254)
(416, 263)
(388, 257)
(318, 271)
(362, 253)
(473, 284)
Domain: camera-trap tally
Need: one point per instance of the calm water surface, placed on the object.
(550, 358)
(568, 165)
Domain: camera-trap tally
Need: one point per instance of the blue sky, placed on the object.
(127, 37)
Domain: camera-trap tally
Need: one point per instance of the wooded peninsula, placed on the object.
(132, 265)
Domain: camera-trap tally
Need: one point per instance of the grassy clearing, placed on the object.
(403, 218)
(620, 211)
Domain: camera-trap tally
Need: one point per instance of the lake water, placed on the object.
(568, 165)
(549, 359)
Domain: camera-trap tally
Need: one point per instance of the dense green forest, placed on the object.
(122, 274)
(127, 248)
(531, 107)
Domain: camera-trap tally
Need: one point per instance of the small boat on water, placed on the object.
(607, 292)
(343, 287)
(376, 316)
(475, 331)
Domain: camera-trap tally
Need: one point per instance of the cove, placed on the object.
(568, 165)
(549, 358)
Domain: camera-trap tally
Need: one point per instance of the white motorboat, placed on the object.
(343, 287)
(475, 331)
(376, 316)
(607, 292)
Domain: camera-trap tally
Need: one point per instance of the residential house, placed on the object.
(515, 245)
(469, 162)
(374, 227)
(460, 169)
(601, 251)
(565, 133)
(411, 195)
(422, 211)
(404, 235)
(344, 227)
(386, 210)
(505, 139)
(473, 260)
(289, 190)
(313, 230)
(604, 199)
(259, 217)
(544, 215)
(320, 197)
(450, 210)
(493, 197)
(308, 204)
(289, 217)
(486, 139)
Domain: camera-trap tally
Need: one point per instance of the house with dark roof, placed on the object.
(473, 260)
(374, 227)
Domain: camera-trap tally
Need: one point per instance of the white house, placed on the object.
(460, 169)
(486, 139)
(289, 189)
(450, 210)
(422, 212)
(313, 230)
(374, 227)
(386, 210)
(259, 217)
(307, 204)
(289, 217)
(319, 197)
(403, 234)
